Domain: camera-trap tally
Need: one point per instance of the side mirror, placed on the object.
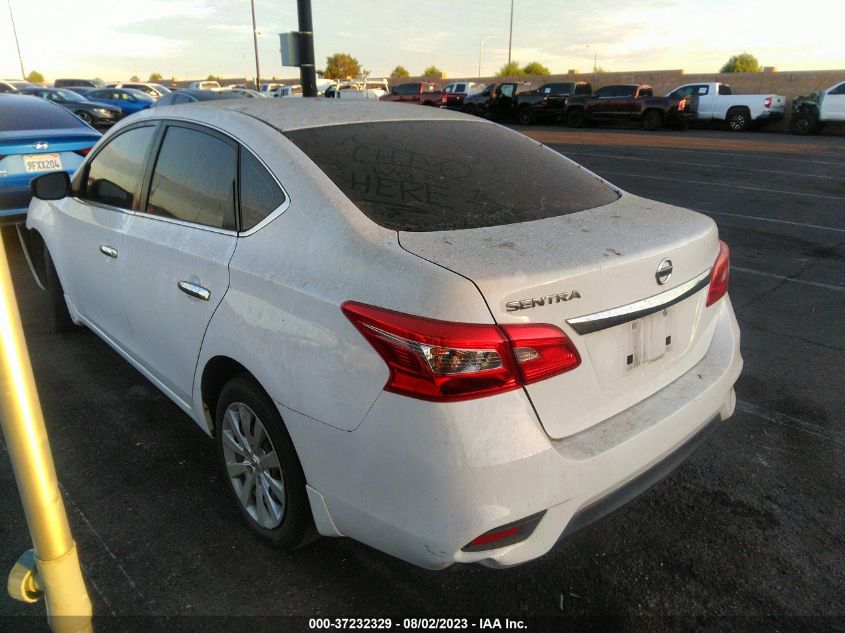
(52, 186)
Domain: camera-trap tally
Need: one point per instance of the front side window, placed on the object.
(114, 175)
(260, 195)
(194, 179)
(607, 91)
(507, 90)
(839, 90)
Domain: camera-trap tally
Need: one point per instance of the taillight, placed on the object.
(720, 274)
(767, 102)
(505, 535)
(445, 361)
(84, 151)
(682, 105)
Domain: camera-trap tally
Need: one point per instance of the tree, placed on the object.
(213, 78)
(512, 69)
(156, 77)
(341, 66)
(535, 68)
(433, 71)
(135, 78)
(742, 63)
(599, 70)
(400, 71)
(35, 77)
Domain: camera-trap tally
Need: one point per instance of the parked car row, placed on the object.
(576, 104)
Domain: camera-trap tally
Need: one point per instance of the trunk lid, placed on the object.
(559, 269)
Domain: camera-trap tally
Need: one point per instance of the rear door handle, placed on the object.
(108, 251)
(194, 290)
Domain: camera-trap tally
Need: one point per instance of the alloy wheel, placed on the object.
(252, 463)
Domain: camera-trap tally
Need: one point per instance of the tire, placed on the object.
(525, 116)
(739, 119)
(82, 114)
(59, 317)
(244, 454)
(576, 117)
(471, 109)
(652, 120)
(804, 123)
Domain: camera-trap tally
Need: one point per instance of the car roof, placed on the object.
(295, 114)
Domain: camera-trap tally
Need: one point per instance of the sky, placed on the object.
(190, 39)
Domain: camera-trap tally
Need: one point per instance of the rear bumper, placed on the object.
(14, 201)
(681, 115)
(420, 480)
(770, 115)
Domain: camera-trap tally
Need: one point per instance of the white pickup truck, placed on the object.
(809, 114)
(717, 102)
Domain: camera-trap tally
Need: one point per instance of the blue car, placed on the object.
(128, 100)
(36, 137)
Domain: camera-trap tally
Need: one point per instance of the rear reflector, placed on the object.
(445, 361)
(505, 535)
(720, 274)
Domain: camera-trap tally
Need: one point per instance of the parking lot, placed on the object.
(751, 526)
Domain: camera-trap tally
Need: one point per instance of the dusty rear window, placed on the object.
(446, 175)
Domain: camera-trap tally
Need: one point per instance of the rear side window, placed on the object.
(114, 175)
(724, 89)
(194, 179)
(19, 113)
(260, 195)
(445, 175)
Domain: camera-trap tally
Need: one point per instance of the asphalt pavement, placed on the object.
(749, 533)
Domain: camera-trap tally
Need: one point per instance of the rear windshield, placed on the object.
(446, 175)
(19, 113)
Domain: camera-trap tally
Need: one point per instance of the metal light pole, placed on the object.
(307, 70)
(480, 50)
(255, 45)
(510, 35)
(15, 31)
(51, 569)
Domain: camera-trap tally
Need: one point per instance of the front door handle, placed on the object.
(194, 290)
(108, 251)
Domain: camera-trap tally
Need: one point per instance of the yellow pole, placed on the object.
(54, 570)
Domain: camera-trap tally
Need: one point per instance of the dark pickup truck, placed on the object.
(496, 101)
(509, 100)
(420, 93)
(630, 102)
(548, 102)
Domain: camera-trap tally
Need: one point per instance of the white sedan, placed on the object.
(407, 326)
